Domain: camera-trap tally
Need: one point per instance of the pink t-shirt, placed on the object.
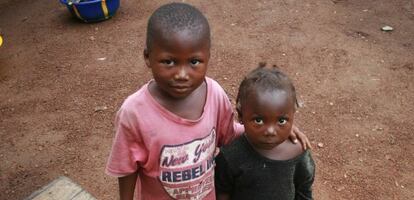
(174, 156)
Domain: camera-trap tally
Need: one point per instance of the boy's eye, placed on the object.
(282, 121)
(195, 62)
(258, 121)
(168, 62)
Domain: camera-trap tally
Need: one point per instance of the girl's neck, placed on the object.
(284, 151)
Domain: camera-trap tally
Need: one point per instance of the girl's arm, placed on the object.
(305, 176)
(223, 197)
(127, 186)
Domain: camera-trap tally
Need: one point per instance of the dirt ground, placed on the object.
(61, 82)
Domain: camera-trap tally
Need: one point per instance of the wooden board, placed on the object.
(61, 188)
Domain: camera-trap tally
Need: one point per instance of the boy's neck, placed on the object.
(190, 107)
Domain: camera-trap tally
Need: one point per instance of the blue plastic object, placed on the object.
(92, 10)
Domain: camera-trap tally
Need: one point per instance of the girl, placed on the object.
(262, 163)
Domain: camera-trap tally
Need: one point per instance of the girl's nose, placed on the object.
(182, 74)
(270, 131)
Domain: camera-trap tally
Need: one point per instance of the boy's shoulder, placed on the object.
(137, 99)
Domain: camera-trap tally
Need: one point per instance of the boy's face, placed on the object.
(268, 117)
(178, 63)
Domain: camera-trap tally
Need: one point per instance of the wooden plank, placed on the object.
(61, 188)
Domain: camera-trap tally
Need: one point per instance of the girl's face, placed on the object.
(178, 63)
(268, 117)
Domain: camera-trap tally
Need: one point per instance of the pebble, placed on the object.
(387, 28)
(320, 145)
(101, 59)
(388, 157)
(100, 108)
(341, 188)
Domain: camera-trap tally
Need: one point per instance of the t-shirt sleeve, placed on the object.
(128, 150)
(304, 177)
(223, 177)
(228, 128)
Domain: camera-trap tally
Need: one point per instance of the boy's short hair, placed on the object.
(264, 79)
(175, 17)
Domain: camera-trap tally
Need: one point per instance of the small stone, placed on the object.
(366, 10)
(402, 186)
(92, 38)
(356, 135)
(320, 145)
(331, 103)
(100, 108)
(340, 188)
(396, 183)
(387, 28)
(101, 59)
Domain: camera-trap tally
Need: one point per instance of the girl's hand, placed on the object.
(296, 134)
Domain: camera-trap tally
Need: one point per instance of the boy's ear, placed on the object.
(146, 57)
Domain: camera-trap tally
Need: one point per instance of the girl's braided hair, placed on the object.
(264, 79)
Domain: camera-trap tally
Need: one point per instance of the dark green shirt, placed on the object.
(245, 174)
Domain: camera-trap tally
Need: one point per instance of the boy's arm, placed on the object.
(127, 186)
(296, 134)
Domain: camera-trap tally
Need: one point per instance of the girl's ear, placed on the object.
(146, 57)
(239, 113)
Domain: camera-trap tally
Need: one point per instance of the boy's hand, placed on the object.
(296, 134)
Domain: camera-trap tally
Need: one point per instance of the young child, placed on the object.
(167, 131)
(262, 164)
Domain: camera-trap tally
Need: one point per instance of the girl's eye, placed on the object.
(258, 120)
(195, 62)
(282, 121)
(168, 62)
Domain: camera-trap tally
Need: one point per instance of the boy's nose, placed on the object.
(270, 131)
(182, 74)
